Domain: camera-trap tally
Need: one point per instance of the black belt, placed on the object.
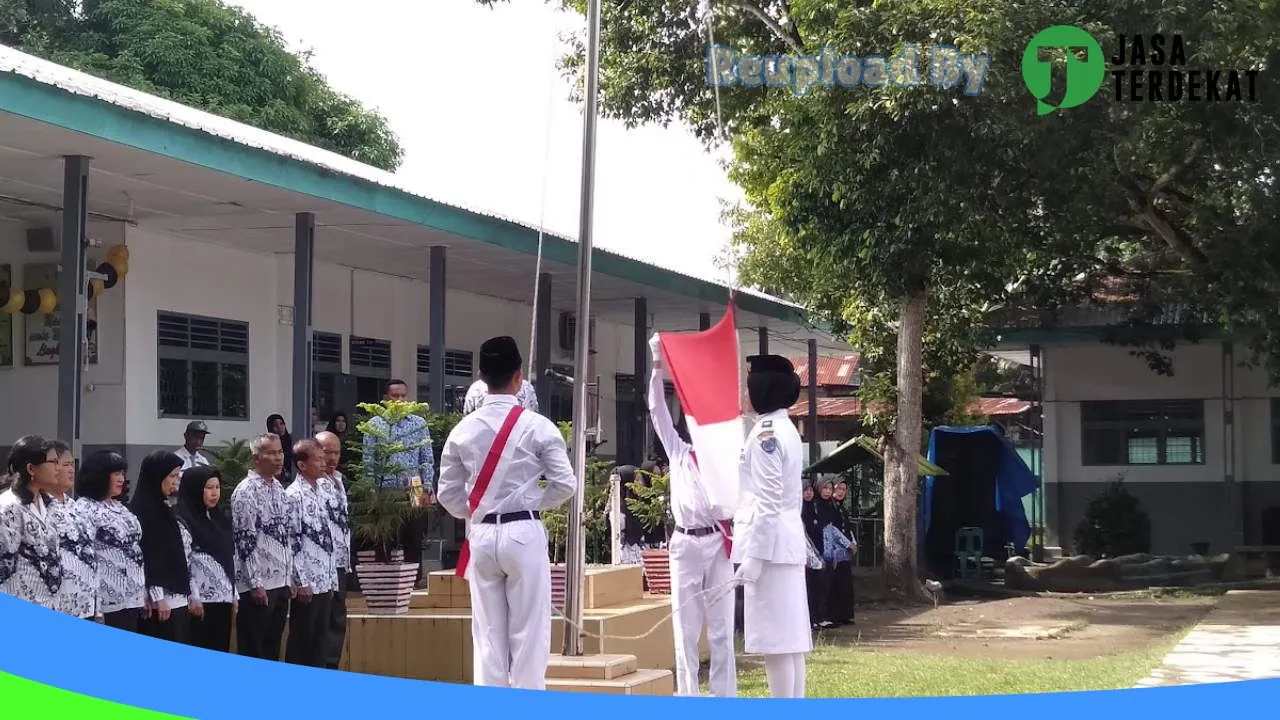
(697, 532)
(504, 518)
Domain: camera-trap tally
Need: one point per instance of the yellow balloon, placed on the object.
(14, 304)
(121, 266)
(98, 287)
(118, 252)
(48, 301)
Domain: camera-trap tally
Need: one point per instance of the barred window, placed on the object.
(1142, 432)
(203, 367)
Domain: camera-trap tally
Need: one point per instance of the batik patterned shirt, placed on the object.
(30, 564)
(339, 519)
(412, 433)
(209, 580)
(311, 537)
(261, 521)
(79, 593)
(117, 547)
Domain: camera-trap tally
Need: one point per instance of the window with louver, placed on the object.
(203, 367)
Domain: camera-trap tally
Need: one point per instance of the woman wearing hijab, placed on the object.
(30, 565)
(817, 579)
(117, 539)
(212, 556)
(276, 425)
(840, 606)
(166, 557)
(79, 591)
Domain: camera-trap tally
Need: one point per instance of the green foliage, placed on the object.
(1114, 524)
(595, 515)
(234, 460)
(651, 504)
(206, 54)
(378, 514)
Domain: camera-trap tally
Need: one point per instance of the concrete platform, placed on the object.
(1238, 640)
(610, 673)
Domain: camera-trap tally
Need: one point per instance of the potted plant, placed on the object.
(650, 504)
(378, 514)
(233, 459)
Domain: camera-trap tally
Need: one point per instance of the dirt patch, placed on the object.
(1021, 628)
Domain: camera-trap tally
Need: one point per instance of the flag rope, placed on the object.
(720, 592)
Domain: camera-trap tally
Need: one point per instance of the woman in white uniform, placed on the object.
(769, 540)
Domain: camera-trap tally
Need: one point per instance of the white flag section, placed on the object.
(705, 368)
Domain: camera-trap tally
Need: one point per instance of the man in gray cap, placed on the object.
(489, 475)
(192, 442)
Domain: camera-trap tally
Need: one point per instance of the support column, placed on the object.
(704, 321)
(435, 329)
(542, 352)
(639, 425)
(71, 297)
(304, 249)
(762, 334)
(813, 402)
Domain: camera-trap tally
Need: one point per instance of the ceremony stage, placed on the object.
(433, 640)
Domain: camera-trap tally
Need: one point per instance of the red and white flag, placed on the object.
(706, 368)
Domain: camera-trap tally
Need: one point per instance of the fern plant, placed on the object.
(379, 514)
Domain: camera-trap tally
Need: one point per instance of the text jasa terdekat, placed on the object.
(1153, 68)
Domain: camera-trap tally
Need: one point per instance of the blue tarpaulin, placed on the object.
(1013, 481)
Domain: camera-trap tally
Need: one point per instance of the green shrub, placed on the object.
(1114, 524)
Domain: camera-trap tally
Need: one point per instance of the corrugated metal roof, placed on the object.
(844, 407)
(831, 370)
(83, 84)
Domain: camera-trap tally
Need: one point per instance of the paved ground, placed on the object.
(1238, 640)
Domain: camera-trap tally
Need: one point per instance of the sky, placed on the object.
(486, 123)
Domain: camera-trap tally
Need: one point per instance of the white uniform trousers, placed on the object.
(510, 582)
(698, 564)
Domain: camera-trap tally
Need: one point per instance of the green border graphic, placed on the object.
(21, 699)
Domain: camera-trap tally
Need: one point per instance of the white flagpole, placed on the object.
(575, 548)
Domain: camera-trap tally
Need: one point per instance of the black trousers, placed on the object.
(260, 628)
(176, 629)
(309, 630)
(411, 537)
(840, 605)
(126, 620)
(818, 585)
(336, 635)
(213, 630)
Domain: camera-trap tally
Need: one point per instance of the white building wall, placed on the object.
(30, 393)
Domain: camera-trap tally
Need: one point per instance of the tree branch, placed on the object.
(1172, 173)
(774, 26)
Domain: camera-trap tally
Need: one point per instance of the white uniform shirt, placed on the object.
(767, 525)
(190, 459)
(311, 536)
(260, 518)
(79, 593)
(689, 504)
(30, 564)
(534, 449)
(527, 397)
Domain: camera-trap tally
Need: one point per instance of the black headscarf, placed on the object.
(210, 529)
(164, 561)
(809, 516)
(286, 444)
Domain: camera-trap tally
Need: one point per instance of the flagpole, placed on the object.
(575, 549)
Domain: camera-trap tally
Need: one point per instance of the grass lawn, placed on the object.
(840, 671)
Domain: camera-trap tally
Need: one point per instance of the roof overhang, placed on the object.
(165, 166)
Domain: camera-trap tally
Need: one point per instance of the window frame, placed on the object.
(1165, 420)
(189, 355)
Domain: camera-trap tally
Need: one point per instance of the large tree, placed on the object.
(910, 211)
(205, 54)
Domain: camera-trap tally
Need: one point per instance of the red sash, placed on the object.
(726, 533)
(482, 482)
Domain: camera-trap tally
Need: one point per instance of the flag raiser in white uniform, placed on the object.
(509, 572)
(697, 556)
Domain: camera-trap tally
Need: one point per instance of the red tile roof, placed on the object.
(837, 407)
(831, 370)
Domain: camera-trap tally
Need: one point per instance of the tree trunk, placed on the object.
(900, 474)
